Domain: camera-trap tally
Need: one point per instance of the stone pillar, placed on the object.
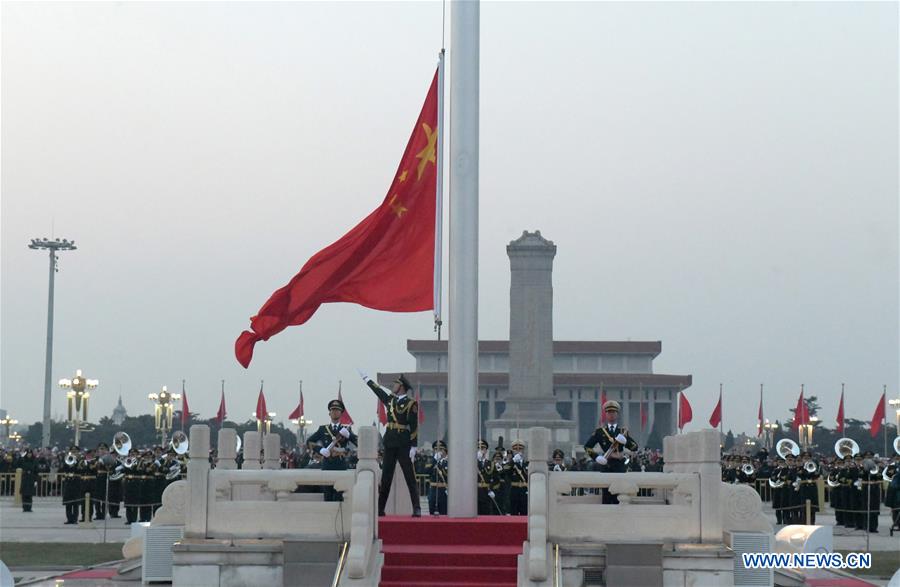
(698, 452)
(530, 401)
(272, 451)
(251, 450)
(227, 450)
(198, 482)
(531, 328)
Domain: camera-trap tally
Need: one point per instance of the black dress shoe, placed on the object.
(417, 513)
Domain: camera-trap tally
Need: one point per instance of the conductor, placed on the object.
(400, 439)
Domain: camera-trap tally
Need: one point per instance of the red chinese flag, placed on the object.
(877, 417)
(261, 412)
(716, 418)
(685, 414)
(345, 420)
(759, 415)
(382, 415)
(185, 411)
(421, 411)
(602, 402)
(799, 411)
(220, 415)
(298, 411)
(840, 415)
(386, 262)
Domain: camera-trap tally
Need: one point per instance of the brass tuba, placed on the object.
(787, 447)
(180, 442)
(747, 469)
(71, 459)
(810, 466)
(122, 443)
(846, 447)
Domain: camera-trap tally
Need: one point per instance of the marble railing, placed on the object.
(263, 501)
(684, 505)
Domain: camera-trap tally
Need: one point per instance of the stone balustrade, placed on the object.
(262, 501)
(686, 504)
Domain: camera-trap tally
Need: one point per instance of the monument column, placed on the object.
(530, 400)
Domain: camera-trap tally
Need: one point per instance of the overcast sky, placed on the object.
(722, 177)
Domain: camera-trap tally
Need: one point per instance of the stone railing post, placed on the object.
(272, 451)
(698, 452)
(227, 450)
(538, 503)
(251, 451)
(363, 529)
(198, 482)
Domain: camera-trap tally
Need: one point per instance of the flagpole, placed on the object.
(884, 419)
(439, 203)
(463, 307)
(721, 414)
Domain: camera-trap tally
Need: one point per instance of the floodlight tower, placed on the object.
(53, 246)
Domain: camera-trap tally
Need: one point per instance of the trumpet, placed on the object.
(118, 473)
(747, 469)
(810, 466)
(71, 459)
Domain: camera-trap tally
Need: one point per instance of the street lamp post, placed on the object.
(301, 424)
(895, 403)
(806, 433)
(6, 423)
(53, 246)
(264, 426)
(769, 434)
(77, 398)
(164, 410)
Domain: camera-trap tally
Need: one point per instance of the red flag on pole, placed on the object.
(878, 417)
(345, 420)
(262, 413)
(396, 241)
(602, 402)
(298, 411)
(716, 417)
(759, 414)
(685, 414)
(185, 411)
(421, 411)
(840, 415)
(382, 415)
(799, 412)
(220, 415)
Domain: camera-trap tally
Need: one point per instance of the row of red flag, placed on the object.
(262, 411)
(801, 414)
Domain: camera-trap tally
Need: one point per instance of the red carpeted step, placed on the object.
(453, 575)
(495, 530)
(459, 552)
(451, 555)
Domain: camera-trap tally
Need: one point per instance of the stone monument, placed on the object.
(530, 401)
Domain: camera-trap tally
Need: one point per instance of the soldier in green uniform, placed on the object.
(87, 470)
(518, 485)
(500, 482)
(436, 469)
(613, 439)
(401, 439)
(483, 475)
(336, 436)
(71, 485)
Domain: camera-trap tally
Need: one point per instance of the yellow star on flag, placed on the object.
(403, 175)
(428, 153)
(397, 207)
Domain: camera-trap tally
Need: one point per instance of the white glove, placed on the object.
(517, 458)
(491, 494)
(480, 455)
(344, 432)
(363, 375)
(412, 453)
(437, 456)
(323, 452)
(601, 459)
(620, 438)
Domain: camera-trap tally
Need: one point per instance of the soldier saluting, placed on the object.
(337, 437)
(400, 439)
